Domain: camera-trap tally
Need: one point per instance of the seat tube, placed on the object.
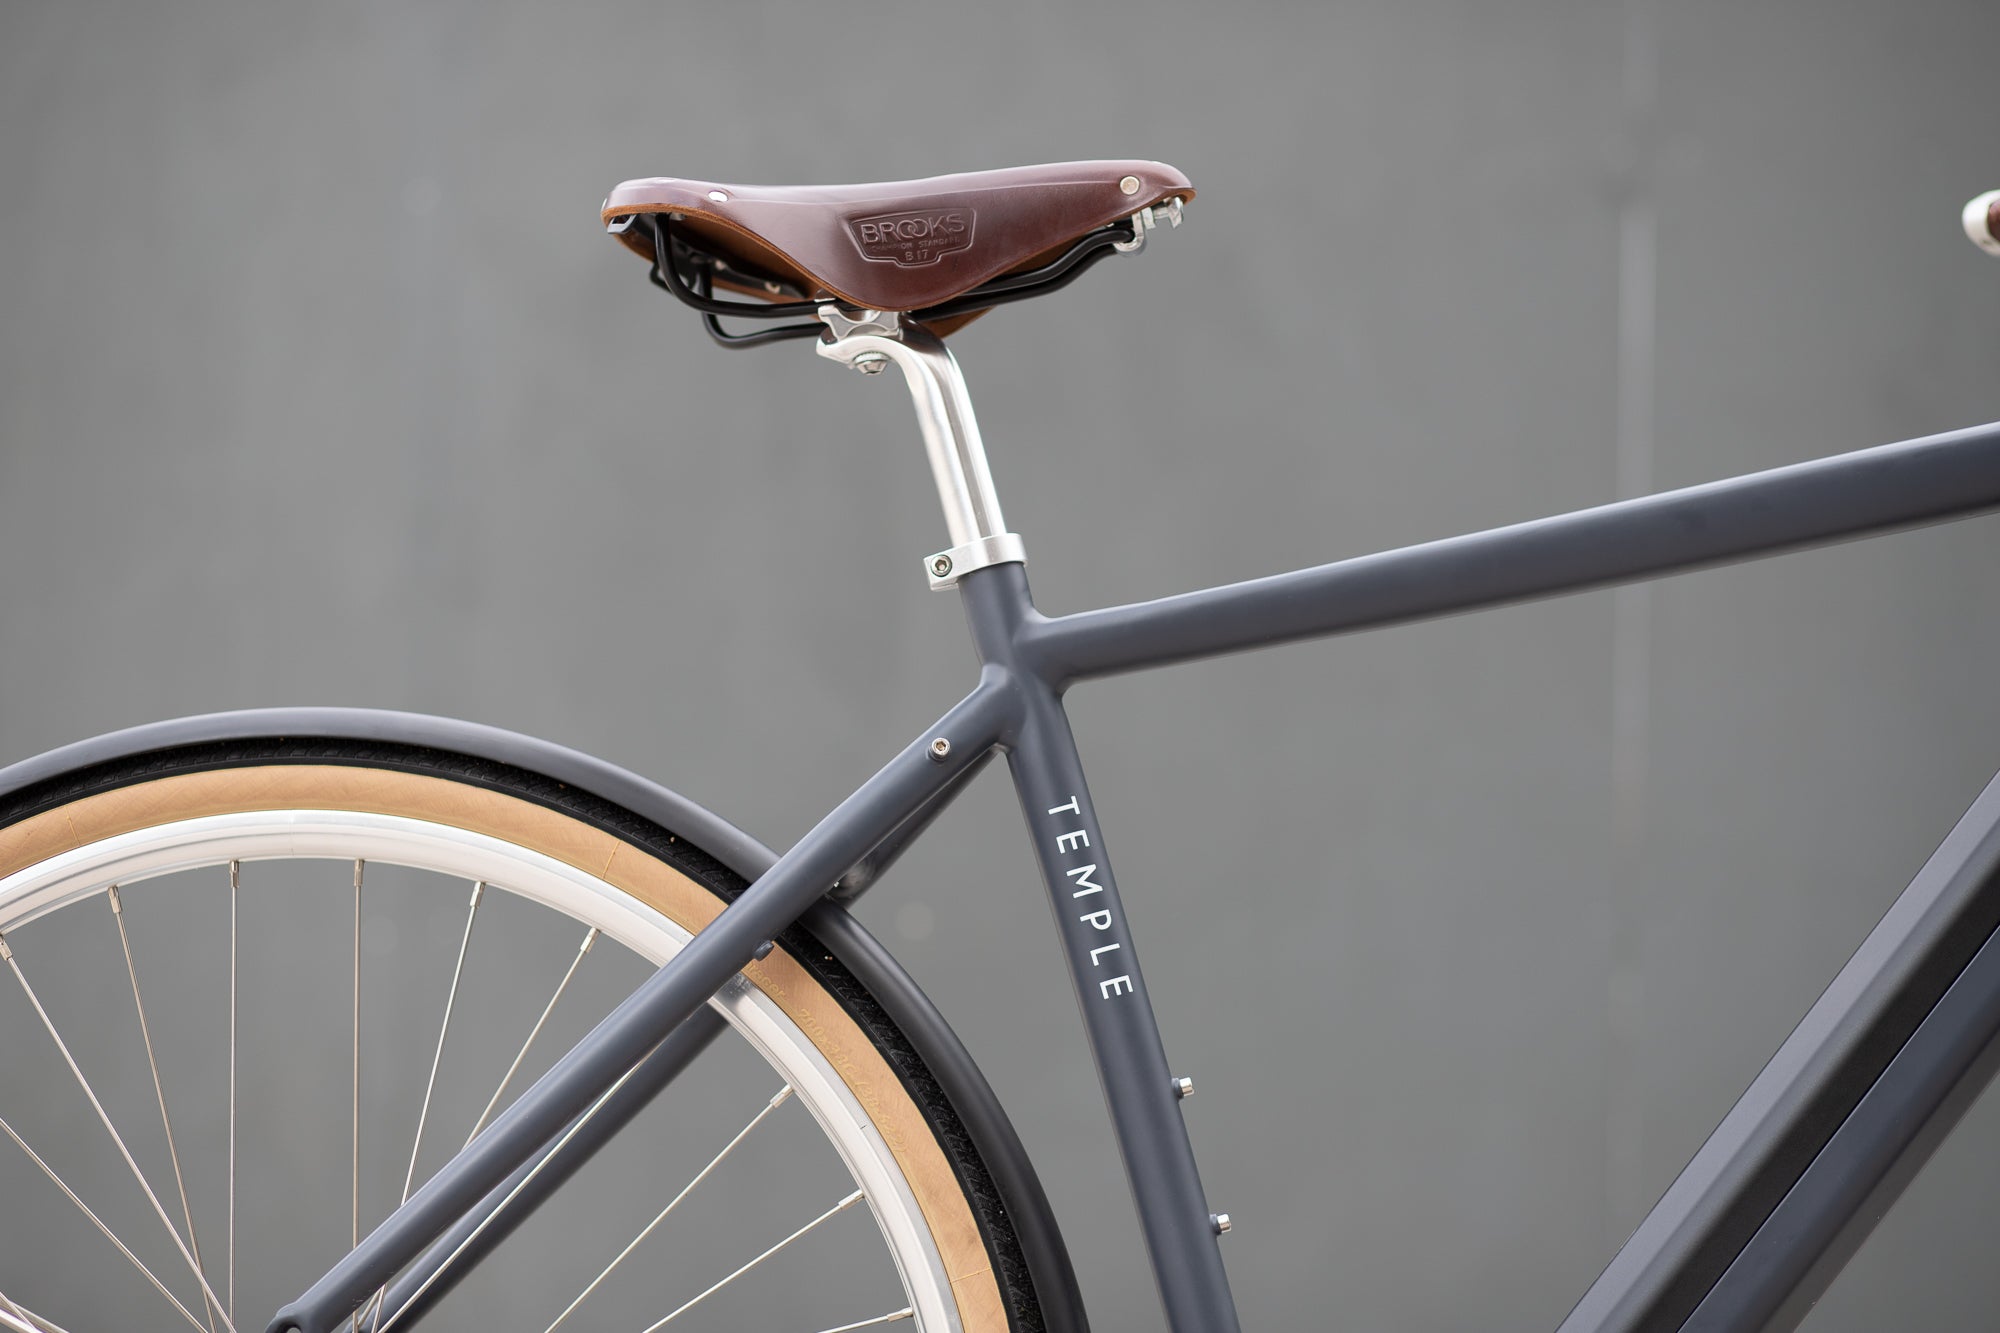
(1181, 1232)
(985, 563)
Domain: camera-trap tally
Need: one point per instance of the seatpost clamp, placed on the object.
(869, 339)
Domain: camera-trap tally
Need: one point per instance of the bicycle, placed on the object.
(324, 812)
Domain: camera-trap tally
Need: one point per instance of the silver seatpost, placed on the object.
(868, 340)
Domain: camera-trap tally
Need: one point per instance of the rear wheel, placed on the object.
(256, 995)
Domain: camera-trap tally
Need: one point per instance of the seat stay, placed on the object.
(621, 1042)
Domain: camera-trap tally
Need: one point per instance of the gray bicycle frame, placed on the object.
(1758, 1221)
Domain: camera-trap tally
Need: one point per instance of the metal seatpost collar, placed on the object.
(869, 339)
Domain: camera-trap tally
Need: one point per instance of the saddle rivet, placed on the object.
(940, 565)
(940, 747)
(722, 196)
(1130, 185)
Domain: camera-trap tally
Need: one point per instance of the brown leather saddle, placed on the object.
(930, 247)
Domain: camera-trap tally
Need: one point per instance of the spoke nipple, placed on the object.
(358, 863)
(6, 954)
(940, 565)
(1183, 1087)
(764, 951)
(1221, 1223)
(940, 748)
(235, 874)
(117, 906)
(588, 940)
(478, 891)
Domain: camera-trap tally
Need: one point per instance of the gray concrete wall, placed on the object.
(318, 383)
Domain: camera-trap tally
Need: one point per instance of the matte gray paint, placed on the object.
(1124, 1035)
(1807, 504)
(1017, 705)
(1808, 1091)
(622, 1039)
(1862, 1171)
(426, 466)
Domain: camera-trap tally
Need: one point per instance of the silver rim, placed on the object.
(205, 854)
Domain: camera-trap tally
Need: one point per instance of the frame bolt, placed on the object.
(940, 565)
(764, 951)
(1184, 1087)
(869, 363)
(1220, 1221)
(940, 747)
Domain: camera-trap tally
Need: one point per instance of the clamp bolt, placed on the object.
(869, 363)
(940, 748)
(940, 565)
(1183, 1087)
(1220, 1221)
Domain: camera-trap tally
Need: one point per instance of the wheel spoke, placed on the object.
(354, 1121)
(35, 1323)
(160, 1093)
(98, 1222)
(235, 882)
(373, 1309)
(832, 1212)
(7, 955)
(783, 1094)
(894, 1316)
(487, 1221)
(590, 938)
(318, 837)
(444, 1028)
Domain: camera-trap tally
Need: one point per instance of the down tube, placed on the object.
(1118, 1016)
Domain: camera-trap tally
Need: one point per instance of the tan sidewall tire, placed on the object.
(691, 905)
